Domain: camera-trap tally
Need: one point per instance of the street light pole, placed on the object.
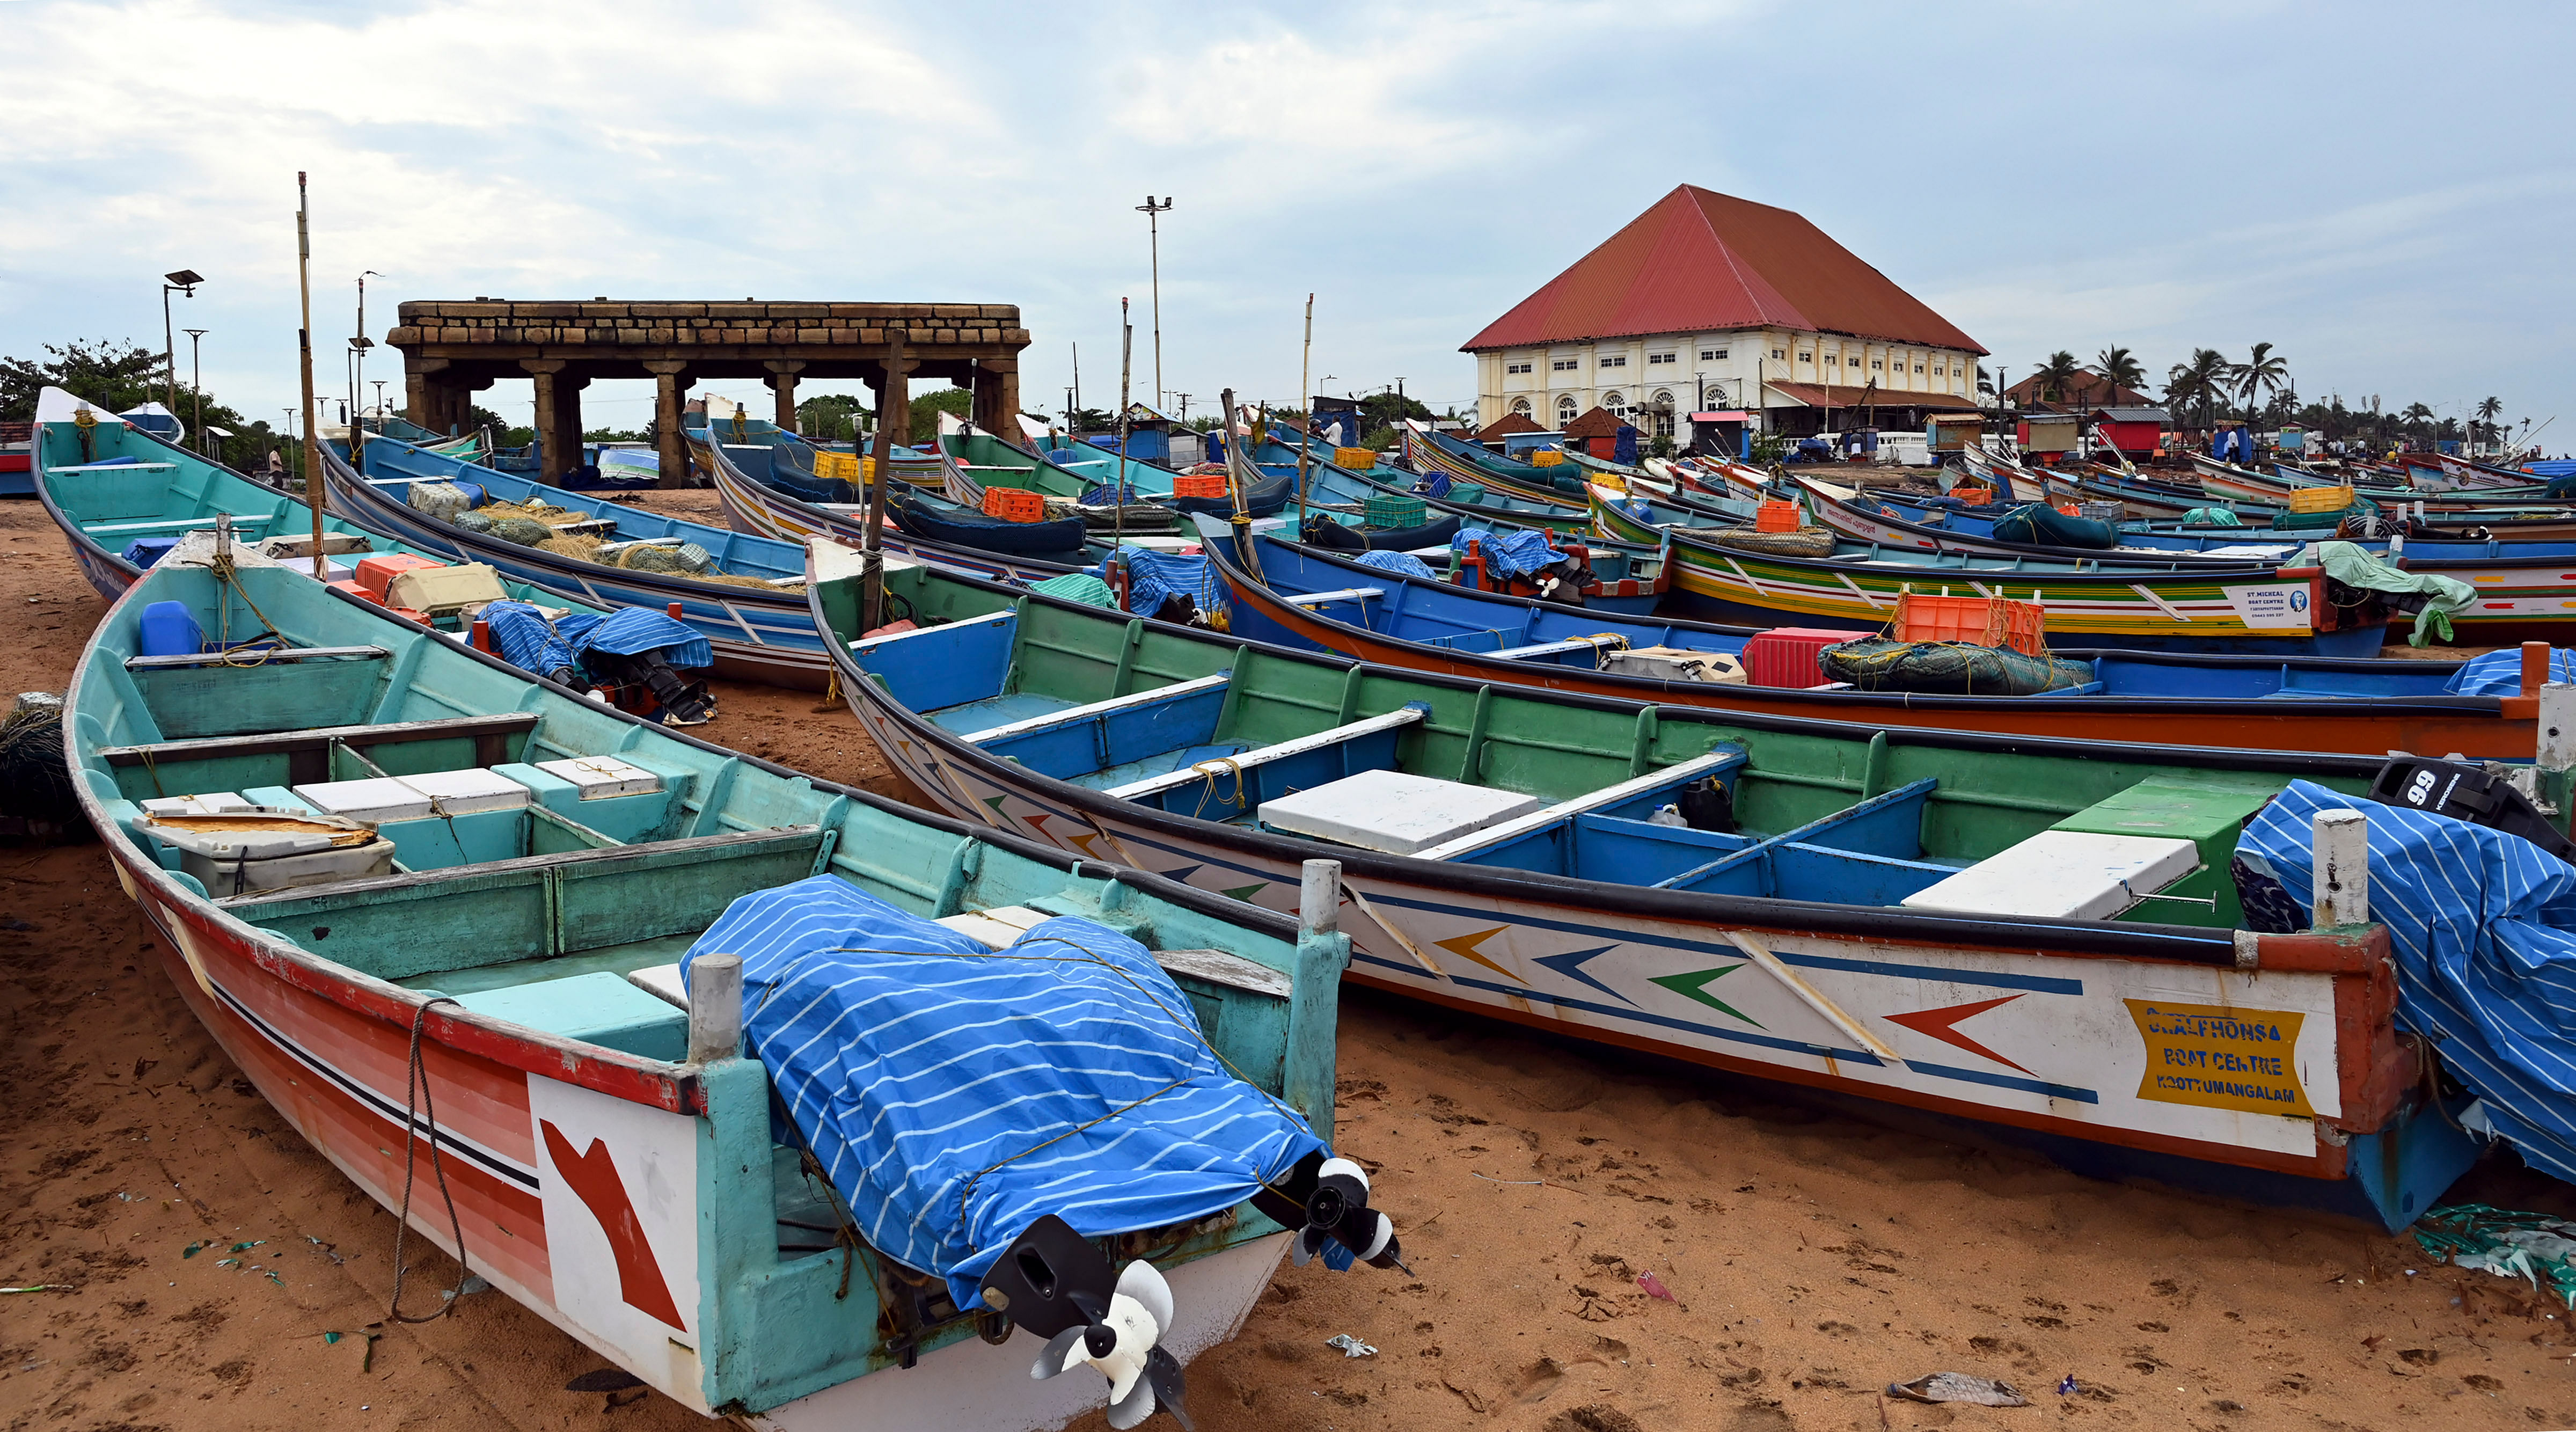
(358, 377)
(1153, 213)
(183, 281)
(197, 387)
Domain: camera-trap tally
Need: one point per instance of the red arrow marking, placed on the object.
(1938, 1022)
(592, 1176)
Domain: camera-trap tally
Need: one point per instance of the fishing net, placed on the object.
(527, 532)
(472, 522)
(532, 524)
(442, 500)
(1805, 542)
(35, 783)
(1954, 668)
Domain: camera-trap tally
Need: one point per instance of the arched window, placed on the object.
(1660, 408)
(1565, 410)
(1615, 405)
(1521, 406)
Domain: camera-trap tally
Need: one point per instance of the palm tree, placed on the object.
(2487, 409)
(2263, 372)
(2056, 373)
(2121, 369)
(2202, 380)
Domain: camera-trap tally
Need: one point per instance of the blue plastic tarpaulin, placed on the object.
(632, 631)
(954, 1095)
(2483, 925)
(1510, 554)
(1154, 578)
(2499, 673)
(523, 637)
(1404, 563)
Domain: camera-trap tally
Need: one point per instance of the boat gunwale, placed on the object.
(2176, 944)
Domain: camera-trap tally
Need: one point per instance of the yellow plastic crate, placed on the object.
(2320, 499)
(1548, 458)
(1354, 457)
(841, 465)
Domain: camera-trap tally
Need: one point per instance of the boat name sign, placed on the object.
(2273, 604)
(2223, 1058)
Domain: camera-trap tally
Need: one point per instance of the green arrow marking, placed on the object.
(1246, 892)
(1695, 986)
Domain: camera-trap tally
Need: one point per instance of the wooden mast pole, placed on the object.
(304, 345)
(1306, 403)
(872, 553)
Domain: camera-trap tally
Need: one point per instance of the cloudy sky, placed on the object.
(2380, 191)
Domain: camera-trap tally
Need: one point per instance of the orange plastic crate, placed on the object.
(2069, 509)
(1200, 486)
(1978, 621)
(378, 572)
(1973, 496)
(1776, 517)
(1013, 505)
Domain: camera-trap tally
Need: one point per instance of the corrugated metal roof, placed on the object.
(1700, 261)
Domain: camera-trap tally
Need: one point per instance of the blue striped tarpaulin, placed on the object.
(632, 631)
(2499, 673)
(954, 1093)
(2484, 930)
(522, 637)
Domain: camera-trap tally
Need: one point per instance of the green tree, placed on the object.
(2202, 381)
(832, 417)
(2055, 374)
(2484, 429)
(2121, 368)
(927, 408)
(115, 376)
(2264, 372)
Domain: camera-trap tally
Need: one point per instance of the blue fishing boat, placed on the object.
(752, 614)
(124, 498)
(1806, 901)
(547, 983)
(1325, 601)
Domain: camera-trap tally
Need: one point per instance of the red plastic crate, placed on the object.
(1199, 485)
(1011, 504)
(362, 594)
(377, 573)
(1786, 656)
(1979, 621)
(1777, 517)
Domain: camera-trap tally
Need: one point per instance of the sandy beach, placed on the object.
(201, 1268)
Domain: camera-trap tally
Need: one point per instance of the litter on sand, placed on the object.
(2534, 1247)
(1655, 1288)
(2066, 1385)
(1958, 1387)
(1350, 1346)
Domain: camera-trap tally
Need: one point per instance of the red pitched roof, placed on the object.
(1507, 424)
(1595, 424)
(1700, 261)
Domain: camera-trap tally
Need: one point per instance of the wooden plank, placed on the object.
(1678, 774)
(499, 724)
(1345, 594)
(1170, 780)
(1075, 714)
(257, 658)
(732, 843)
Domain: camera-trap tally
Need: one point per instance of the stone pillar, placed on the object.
(894, 397)
(997, 397)
(782, 377)
(547, 372)
(568, 416)
(670, 391)
(417, 403)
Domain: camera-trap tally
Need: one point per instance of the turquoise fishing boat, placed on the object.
(499, 953)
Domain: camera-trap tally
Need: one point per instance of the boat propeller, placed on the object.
(1057, 1284)
(1326, 1201)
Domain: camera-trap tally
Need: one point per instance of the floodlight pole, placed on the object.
(183, 281)
(196, 385)
(1154, 240)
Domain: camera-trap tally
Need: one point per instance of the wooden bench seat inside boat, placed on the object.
(298, 757)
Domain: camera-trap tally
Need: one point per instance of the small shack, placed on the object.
(1493, 433)
(1952, 432)
(2136, 432)
(1725, 432)
(1598, 434)
(2048, 432)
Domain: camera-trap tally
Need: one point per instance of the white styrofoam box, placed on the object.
(378, 799)
(1392, 811)
(998, 927)
(663, 982)
(2063, 875)
(599, 776)
(470, 790)
(214, 804)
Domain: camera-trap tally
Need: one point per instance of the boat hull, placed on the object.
(2359, 726)
(1631, 968)
(755, 636)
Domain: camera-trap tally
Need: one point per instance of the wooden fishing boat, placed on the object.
(1322, 601)
(1427, 452)
(756, 623)
(2523, 587)
(17, 476)
(2229, 480)
(764, 511)
(1502, 853)
(591, 1130)
(2253, 609)
(121, 489)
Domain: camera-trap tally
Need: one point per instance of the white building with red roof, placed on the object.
(1707, 301)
